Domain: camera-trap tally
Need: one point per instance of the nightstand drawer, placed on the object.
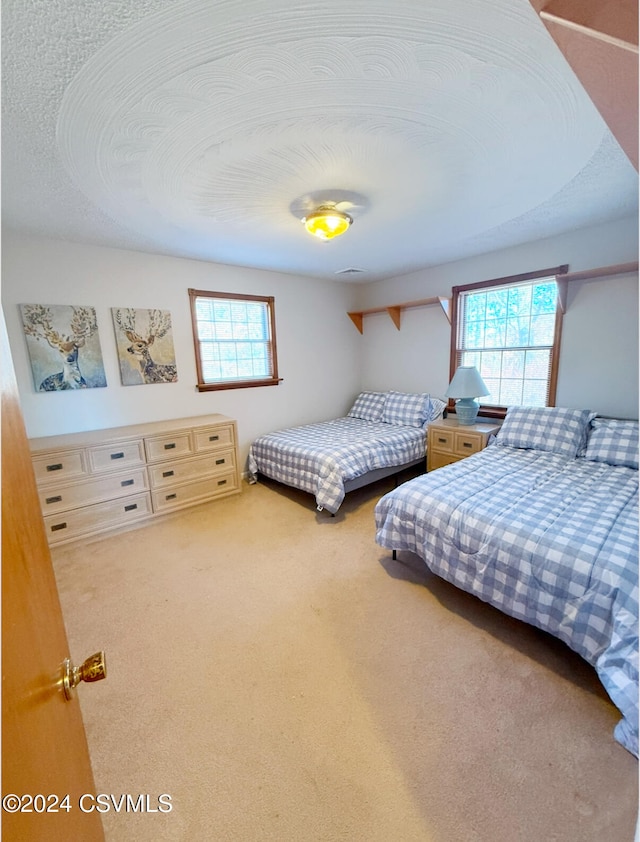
(442, 439)
(467, 443)
(449, 441)
(439, 460)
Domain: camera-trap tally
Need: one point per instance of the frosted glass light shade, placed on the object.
(327, 223)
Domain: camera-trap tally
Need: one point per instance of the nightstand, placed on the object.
(449, 441)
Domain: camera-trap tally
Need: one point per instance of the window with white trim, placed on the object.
(235, 340)
(509, 329)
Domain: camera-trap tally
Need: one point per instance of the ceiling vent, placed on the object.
(350, 271)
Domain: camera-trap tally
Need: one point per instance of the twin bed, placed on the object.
(542, 524)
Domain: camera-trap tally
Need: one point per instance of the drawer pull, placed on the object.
(442, 441)
(220, 461)
(222, 482)
(214, 438)
(57, 467)
(170, 496)
(58, 526)
(170, 446)
(467, 444)
(131, 507)
(119, 455)
(56, 499)
(167, 473)
(126, 482)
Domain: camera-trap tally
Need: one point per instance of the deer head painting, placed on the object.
(64, 347)
(145, 346)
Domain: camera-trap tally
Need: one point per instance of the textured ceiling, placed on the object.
(203, 129)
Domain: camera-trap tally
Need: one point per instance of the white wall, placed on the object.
(599, 360)
(317, 344)
(323, 359)
(599, 351)
(412, 359)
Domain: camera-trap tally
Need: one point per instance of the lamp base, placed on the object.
(467, 411)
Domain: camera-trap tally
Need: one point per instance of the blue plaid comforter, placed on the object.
(550, 540)
(320, 458)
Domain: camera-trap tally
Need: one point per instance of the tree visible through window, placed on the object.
(234, 338)
(509, 329)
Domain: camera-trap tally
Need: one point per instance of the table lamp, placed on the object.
(466, 386)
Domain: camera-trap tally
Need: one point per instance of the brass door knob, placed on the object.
(93, 669)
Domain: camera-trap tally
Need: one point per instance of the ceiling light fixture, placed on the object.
(326, 222)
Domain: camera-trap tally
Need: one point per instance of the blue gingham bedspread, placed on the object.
(550, 540)
(320, 458)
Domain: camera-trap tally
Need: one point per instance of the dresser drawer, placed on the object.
(67, 525)
(188, 470)
(213, 438)
(115, 457)
(466, 443)
(56, 467)
(160, 448)
(192, 492)
(62, 497)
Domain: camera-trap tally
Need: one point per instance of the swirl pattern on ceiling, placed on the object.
(205, 121)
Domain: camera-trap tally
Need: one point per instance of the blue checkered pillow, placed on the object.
(368, 406)
(435, 408)
(407, 409)
(614, 442)
(550, 428)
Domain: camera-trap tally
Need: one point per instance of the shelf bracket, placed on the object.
(445, 303)
(394, 313)
(563, 286)
(357, 319)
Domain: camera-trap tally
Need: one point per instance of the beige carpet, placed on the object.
(281, 678)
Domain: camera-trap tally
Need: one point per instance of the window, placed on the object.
(509, 329)
(235, 340)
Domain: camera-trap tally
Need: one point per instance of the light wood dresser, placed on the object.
(449, 441)
(104, 480)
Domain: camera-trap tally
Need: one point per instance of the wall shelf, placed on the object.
(395, 310)
(589, 274)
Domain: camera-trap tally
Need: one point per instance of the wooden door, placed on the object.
(44, 747)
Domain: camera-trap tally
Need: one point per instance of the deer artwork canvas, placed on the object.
(64, 347)
(145, 346)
